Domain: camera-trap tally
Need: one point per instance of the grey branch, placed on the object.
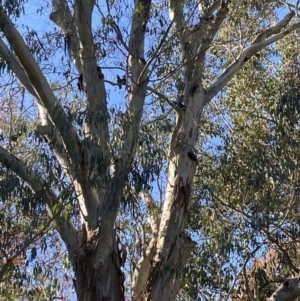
(62, 17)
(176, 16)
(134, 112)
(97, 114)
(41, 86)
(274, 29)
(15, 67)
(214, 24)
(153, 211)
(255, 47)
(288, 291)
(19, 72)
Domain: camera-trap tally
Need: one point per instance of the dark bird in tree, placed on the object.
(193, 89)
(80, 82)
(192, 156)
(180, 98)
(80, 78)
(119, 81)
(147, 187)
(124, 80)
(180, 102)
(142, 61)
(180, 105)
(100, 74)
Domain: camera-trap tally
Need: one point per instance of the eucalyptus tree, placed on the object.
(248, 190)
(180, 54)
(248, 184)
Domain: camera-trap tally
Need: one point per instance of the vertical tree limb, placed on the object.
(109, 208)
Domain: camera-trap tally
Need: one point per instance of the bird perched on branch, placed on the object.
(180, 102)
(142, 61)
(99, 72)
(80, 82)
(121, 81)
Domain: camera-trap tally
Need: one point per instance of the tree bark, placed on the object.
(93, 250)
(101, 283)
(288, 291)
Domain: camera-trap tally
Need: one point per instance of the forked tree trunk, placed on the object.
(102, 283)
(93, 252)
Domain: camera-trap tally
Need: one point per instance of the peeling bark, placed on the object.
(171, 252)
(103, 282)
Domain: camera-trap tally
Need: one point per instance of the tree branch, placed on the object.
(213, 26)
(176, 16)
(78, 31)
(274, 29)
(138, 87)
(79, 39)
(97, 114)
(153, 211)
(141, 273)
(42, 90)
(16, 68)
(288, 291)
(41, 188)
(62, 17)
(47, 129)
(255, 47)
(69, 161)
(109, 208)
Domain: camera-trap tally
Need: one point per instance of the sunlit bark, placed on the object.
(93, 249)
